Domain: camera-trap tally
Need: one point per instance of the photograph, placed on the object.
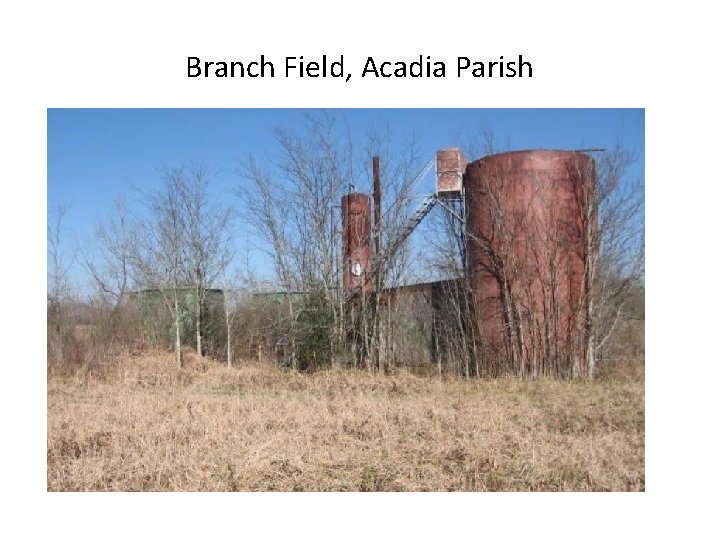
(345, 299)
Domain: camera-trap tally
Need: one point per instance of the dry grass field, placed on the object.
(152, 427)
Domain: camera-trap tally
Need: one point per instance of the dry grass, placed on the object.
(149, 426)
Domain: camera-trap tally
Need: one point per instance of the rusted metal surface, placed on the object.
(526, 227)
(450, 166)
(356, 242)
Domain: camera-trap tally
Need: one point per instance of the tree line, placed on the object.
(180, 237)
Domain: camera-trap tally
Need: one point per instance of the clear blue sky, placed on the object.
(95, 154)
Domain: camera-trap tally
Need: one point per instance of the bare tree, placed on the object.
(59, 264)
(107, 258)
(58, 259)
(615, 268)
(399, 171)
(181, 243)
(238, 284)
(292, 205)
(158, 255)
(454, 340)
(109, 261)
(206, 250)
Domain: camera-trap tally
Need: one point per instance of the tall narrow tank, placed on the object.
(356, 242)
(528, 235)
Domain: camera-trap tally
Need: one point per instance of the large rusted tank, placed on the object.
(356, 242)
(527, 227)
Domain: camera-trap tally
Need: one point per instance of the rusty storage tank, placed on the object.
(356, 242)
(527, 232)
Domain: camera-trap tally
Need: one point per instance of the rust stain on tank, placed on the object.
(526, 225)
(356, 242)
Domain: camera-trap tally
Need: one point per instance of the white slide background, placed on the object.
(608, 54)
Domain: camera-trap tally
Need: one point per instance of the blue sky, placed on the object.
(96, 154)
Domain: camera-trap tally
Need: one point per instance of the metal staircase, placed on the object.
(405, 230)
(409, 226)
(380, 263)
(451, 197)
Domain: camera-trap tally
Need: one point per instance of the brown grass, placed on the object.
(150, 426)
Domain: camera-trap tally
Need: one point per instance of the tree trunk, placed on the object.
(198, 316)
(589, 324)
(228, 323)
(178, 349)
(229, 354)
